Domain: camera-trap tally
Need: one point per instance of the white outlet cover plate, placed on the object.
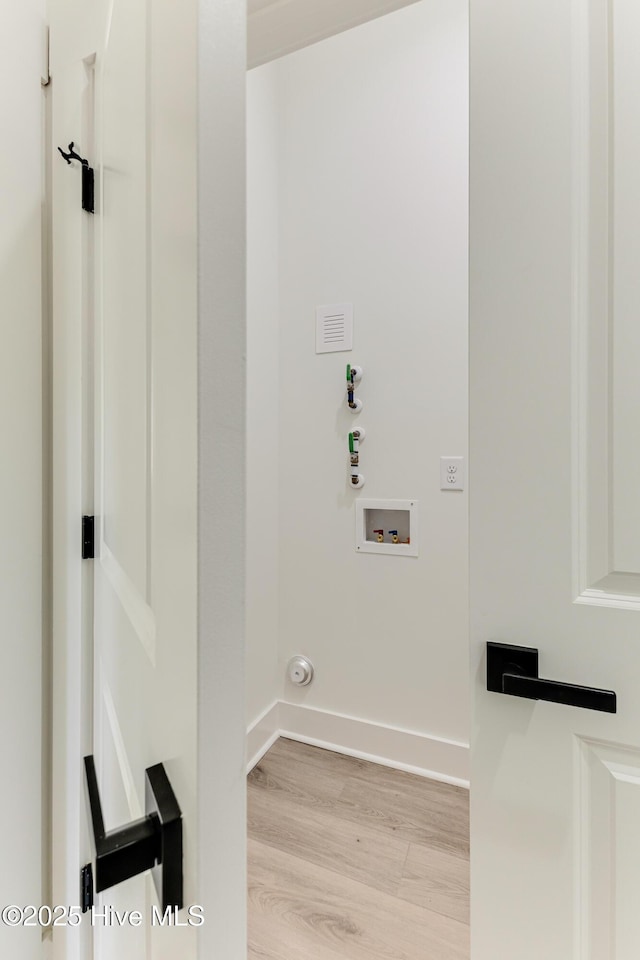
(453, 473)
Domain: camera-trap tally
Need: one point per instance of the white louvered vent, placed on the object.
(334, 328)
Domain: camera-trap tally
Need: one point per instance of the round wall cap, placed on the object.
(300, 671)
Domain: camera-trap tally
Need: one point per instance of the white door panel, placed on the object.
(554, 487)
(127, 287)
(73, 100)
(123, 284)
(145, 568)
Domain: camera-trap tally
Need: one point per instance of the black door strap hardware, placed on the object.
(151, 843)
(514, 670)
(88, 200)
(88, 538)
(86, 887)
(72, 155)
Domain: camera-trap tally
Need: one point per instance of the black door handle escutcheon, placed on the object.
(151, 843)
(514, 670)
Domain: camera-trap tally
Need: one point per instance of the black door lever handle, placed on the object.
(152, 843)
(514, 670)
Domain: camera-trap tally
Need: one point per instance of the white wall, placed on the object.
(372, 160)
(21, 473)
(263, 678)
(222, 818)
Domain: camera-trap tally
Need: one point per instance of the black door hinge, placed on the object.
(86, 888)
(88, 538)
(88, 199)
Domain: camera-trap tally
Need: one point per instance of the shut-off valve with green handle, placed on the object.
(354, 375)
(355, 439)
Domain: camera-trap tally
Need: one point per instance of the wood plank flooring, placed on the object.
(349, 860)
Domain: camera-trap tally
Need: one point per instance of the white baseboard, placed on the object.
(262, 734)
(425, 756)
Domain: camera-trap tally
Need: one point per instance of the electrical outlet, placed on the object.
(452, 473)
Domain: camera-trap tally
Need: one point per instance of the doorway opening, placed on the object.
(357, 659)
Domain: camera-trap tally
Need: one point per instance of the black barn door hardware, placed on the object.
(86, 887)
(514, 670)
(152, 843)
(87, 178)
(88, 538)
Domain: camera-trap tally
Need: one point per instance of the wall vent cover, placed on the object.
(334, 328)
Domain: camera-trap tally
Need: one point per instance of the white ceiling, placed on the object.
(254, 5)
(278, 27)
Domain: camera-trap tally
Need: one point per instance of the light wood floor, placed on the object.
(349, 860)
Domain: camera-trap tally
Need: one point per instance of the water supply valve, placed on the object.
(355, 438)
(354, 375)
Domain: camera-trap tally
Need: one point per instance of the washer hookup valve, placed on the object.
(354, 375)
(354, 448)
(357, 479)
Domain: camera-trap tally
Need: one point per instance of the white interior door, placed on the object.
(145, 475)
(131, 687)
(135, 291)
(555, 487)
